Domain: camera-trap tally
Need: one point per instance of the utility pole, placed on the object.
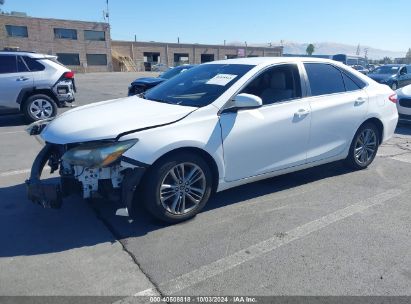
(358, 50)
(366, 53)
(107, 13)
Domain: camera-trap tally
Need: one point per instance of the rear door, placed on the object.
(338, 106)
(14, 77)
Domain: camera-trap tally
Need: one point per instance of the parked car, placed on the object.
(159, 67)
(360, 69)
(141, 85)
(404, 104)
(216, 126)
(34, 84)
(394, 75)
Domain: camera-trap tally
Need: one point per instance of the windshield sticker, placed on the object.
(221, 79)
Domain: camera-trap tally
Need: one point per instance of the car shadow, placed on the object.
(122, 227)
(12, 120)
(403, 129)
(28, 229)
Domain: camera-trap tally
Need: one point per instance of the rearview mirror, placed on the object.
(247, 101)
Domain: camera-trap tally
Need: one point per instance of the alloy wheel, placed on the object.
(365, 146)
(182, 188)
(41, 109)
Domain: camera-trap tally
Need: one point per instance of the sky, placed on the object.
(382, 24)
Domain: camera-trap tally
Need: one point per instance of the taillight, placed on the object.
(393, 98)
(68, 75)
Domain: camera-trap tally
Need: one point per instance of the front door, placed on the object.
(272, 137)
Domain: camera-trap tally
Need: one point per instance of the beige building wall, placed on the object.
(166, 51)
(41, 39)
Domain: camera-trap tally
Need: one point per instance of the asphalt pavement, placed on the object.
(321, 231)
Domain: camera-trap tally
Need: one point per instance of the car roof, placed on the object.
(29, 54)
(270, 60)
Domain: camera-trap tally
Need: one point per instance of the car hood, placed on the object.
(379, 77)
(148, 80)
(108, 119)
(404, 92)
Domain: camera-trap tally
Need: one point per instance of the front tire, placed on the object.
(177, 187)
(39, 107)
(364, 147)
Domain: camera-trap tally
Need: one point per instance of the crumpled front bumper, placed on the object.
(48, 195)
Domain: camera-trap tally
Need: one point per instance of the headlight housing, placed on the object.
(97, 155)
(38, 126)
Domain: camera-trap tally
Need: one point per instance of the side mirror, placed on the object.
(246, 101)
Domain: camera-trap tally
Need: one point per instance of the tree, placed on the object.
(310, 49)
(408, 56)
(387, 60)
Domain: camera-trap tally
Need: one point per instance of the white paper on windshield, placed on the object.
(394, 68)
(221, 79)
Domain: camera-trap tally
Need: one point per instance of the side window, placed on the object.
(403, 71)
(21, 66)
(279, 83)
(8, 64)
(34, 65)
(324, 79)
(350, 85)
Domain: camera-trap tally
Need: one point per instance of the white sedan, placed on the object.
(214, 127)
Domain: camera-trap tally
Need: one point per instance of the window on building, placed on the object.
(95, 35)
(16, 31)
(68, 58)
(207, 58)
(61, 33)
(8, 64)
(230, 56)
(96, 59)
(324, 79)
(181, 58)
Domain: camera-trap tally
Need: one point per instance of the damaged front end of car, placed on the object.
(90, 169)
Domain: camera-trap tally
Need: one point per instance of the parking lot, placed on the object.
(321, 231)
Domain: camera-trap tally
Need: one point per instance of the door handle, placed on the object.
(22, 78)
(302, 112)
(359, 101)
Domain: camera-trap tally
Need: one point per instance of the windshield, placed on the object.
(173, 72)
(390, 70)
(199, 86)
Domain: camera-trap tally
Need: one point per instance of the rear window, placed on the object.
(324, 79)
(33, 64)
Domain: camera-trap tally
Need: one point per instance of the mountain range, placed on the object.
(331, 48)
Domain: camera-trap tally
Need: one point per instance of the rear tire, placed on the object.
(39, 107)
(364, 147)
(177, 187)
